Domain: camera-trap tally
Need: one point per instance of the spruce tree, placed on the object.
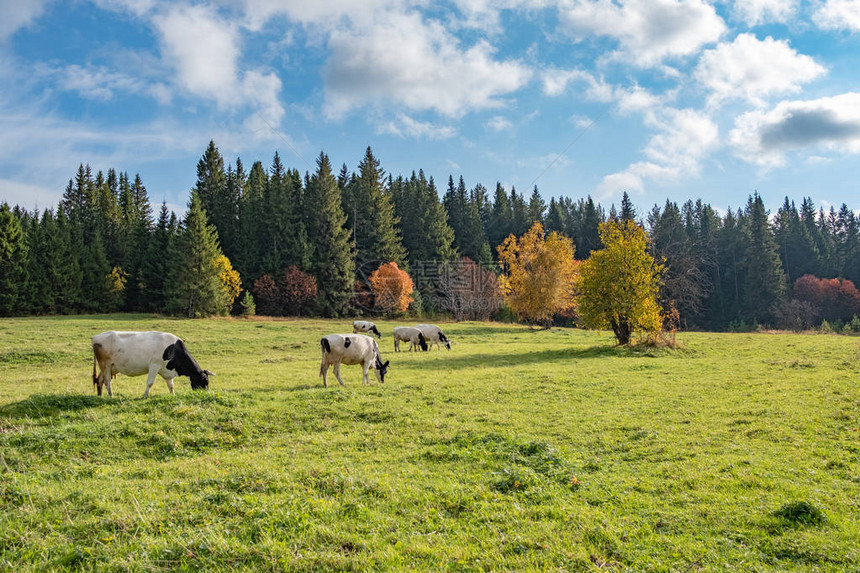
(375, 225)
(519, 214)
(537, 207)
(194, 289)
(501, 218)
(332, 260)
(13, 263)
(156, 267)
(765, 283)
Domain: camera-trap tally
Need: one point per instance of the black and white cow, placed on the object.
(413, 336)
(340, 349)
(138, 353)
(359, 326)
(434, 335)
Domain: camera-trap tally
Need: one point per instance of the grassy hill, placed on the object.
(516, 450)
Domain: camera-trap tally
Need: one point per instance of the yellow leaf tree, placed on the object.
(392, 288)
(231, 283)
(538, 273)
(619, 284)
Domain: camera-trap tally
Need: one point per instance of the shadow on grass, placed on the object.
(523, 358)
(42, 405)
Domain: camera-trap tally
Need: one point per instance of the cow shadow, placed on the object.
(48, 405)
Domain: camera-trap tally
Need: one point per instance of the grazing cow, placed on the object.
(150, 353)
(359, 326)
(434, 335)
(413, 336)
(351, 349)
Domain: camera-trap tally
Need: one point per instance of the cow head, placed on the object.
(445, 341)
(375, 331)
(422, 342)
(200, 381)
(381, 368)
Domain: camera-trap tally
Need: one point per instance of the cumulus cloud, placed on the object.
(755, 12)
(18, 14)
(831, 124)
(406, 126)
(204, 50)
(648, 31)
(416, 64)
(753, 69)
(684, 137)
(555, 82)
(499, 123)
(838, 15)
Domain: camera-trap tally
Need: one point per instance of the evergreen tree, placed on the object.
(519, 214)
(251, 228)
(138, 217)
(537, 207)
(332, 260)
(556, 218)
(628, 211)
(156, 267)
(501, 218)
(59, 264)
(375, 226)
(194, 290)
(848, 244)
(285, 238)
(796, 247)
(765, 283)
(13, 263)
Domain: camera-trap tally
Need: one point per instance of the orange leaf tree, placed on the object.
(392, 288)
(538, 273)
(619, 284)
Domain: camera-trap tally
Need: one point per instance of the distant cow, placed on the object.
(359, 326)
(413, 336)
(150, 353)
(434, 335)
(340, 349)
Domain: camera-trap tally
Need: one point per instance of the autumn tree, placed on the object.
(538, 274)
(298, 290)
(619, 284)
(231, 283)
(392, 288)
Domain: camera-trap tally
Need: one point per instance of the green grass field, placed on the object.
(517, 450)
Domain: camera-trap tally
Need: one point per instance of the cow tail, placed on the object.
(326, 348)
(95, 362)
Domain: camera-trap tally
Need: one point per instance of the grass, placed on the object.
(516, 450)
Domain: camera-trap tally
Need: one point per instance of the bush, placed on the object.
(392, 288)
(247, 305)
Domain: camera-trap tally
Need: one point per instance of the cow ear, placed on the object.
(386, 364)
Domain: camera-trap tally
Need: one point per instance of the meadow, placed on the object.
(517, 450)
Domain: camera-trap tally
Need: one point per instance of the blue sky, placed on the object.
(664, 99)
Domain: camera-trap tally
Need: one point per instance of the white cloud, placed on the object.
(95, 82)
(330, 14)
(204, 50)
(838, 15)
(499, 123)
(555, 83)
(826, 124)
(753, 69)
(648, 31)
(27, 195)
(755, 12)
(406, 126)
(416, 64)
(684, 138)
(17, 14)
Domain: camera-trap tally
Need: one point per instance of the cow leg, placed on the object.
(366, 368)
(169, 384)
(108, 379)
(396, 345)
(150, 378)
(337, 373)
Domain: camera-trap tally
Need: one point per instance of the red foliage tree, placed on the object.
(298, 291)
(832, 299)
(267, 296)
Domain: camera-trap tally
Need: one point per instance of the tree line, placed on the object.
(308, 244)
